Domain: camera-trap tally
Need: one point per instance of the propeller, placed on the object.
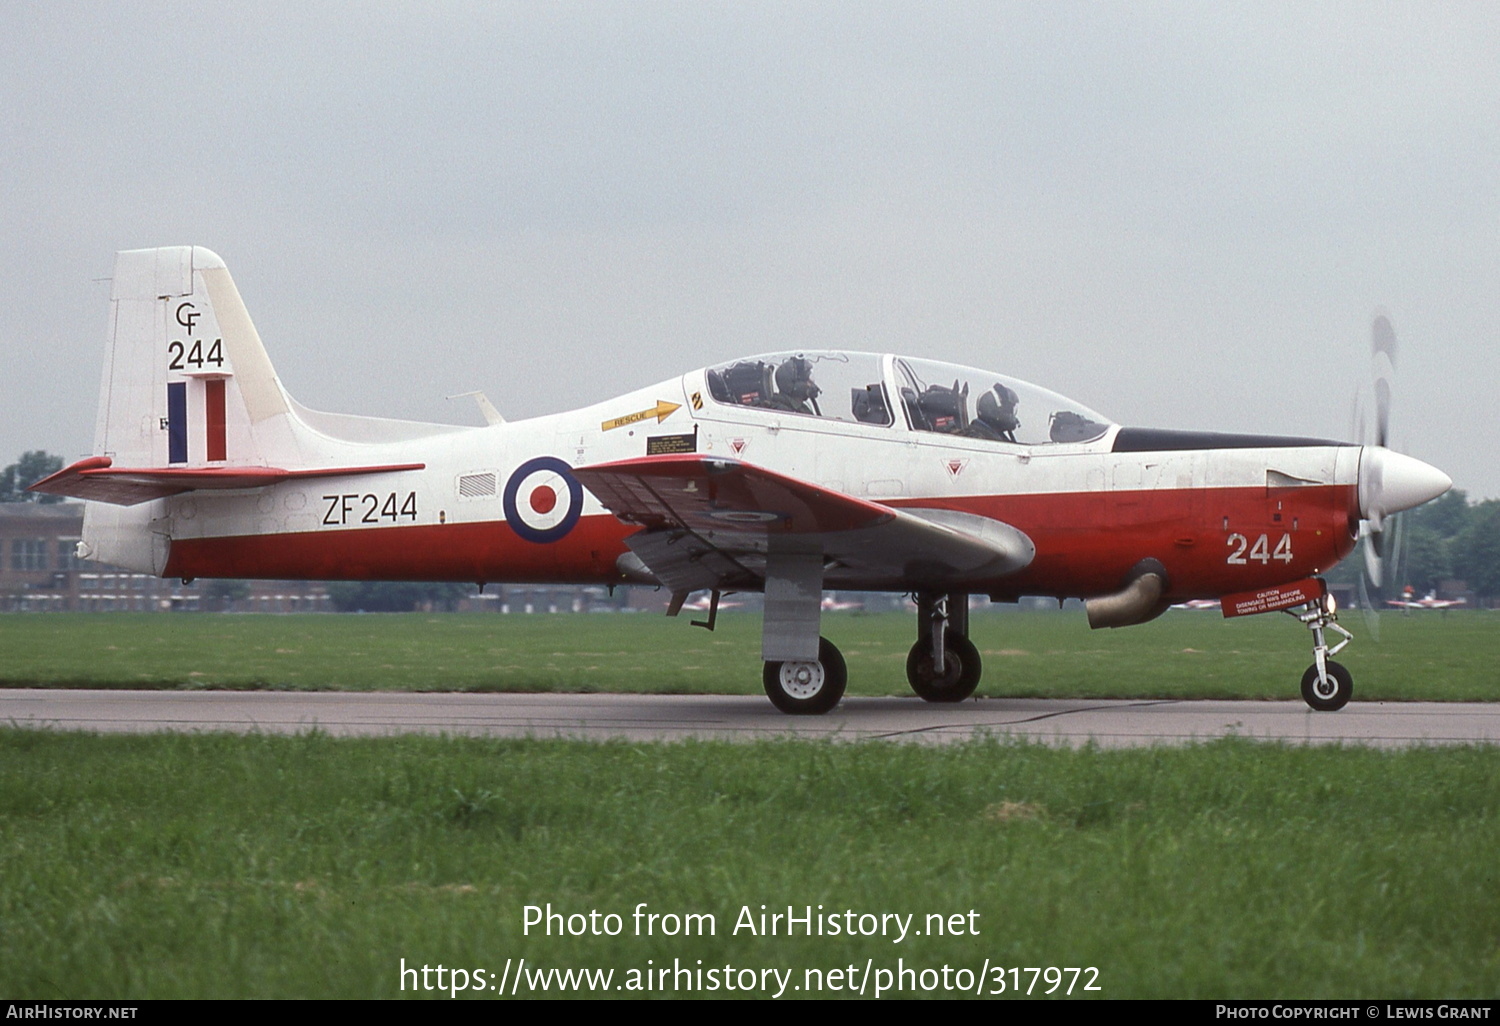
(1376, 431)
(1389, 482)
(1387, 566)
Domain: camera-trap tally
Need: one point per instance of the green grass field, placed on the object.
(223, 866)
(1443, 657)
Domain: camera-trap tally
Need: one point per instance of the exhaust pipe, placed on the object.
(1139, 601)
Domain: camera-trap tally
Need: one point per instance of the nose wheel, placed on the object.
(1328, 691)
(807, 686)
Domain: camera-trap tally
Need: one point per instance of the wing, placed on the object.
(97, 479)
(709, 523)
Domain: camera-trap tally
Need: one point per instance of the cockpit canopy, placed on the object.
(942, 398)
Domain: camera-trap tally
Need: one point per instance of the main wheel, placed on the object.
(958, 677)
(808, 687)
(1327, 695)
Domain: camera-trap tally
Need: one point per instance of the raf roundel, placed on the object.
(542, 500)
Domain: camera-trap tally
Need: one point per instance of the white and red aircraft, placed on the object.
(788, 473)
(1428, 601)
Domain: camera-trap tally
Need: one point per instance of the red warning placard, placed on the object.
(1268, 600)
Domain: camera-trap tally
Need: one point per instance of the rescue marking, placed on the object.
(697, 400)
(542, 500)
(661, 411)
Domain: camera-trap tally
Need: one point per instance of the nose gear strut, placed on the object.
(1326, 685)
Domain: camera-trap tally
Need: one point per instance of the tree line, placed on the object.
(27, 471)
(1449, 538)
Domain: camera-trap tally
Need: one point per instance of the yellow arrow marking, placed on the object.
(661, 411)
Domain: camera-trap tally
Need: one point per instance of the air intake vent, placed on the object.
(476, 486)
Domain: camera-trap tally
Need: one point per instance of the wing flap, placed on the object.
(98, 480)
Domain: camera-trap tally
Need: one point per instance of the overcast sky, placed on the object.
(1182, 215)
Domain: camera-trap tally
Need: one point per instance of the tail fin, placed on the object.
(189, 401)
(186, 379)
(186, 384)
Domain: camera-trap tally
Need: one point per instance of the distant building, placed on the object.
(38, 568)
(40, 572)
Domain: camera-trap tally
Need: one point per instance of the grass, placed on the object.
(1449, 657)
(219, 866)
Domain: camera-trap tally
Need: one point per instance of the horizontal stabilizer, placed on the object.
(98, 480)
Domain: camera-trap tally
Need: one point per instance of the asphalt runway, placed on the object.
(599, 717)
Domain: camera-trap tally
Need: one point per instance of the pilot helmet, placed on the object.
(997, 407)
(794, 379)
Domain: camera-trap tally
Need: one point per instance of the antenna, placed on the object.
(486, 408)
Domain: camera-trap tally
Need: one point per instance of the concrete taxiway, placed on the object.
(1109, 723)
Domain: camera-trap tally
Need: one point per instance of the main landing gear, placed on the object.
(810, 686)
(944, 665)
(1326, 685)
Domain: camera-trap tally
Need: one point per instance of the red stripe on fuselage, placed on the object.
(488, 551)
(1086, 543)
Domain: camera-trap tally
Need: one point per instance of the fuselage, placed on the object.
(496, 504)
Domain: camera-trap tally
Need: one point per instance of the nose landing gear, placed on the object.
(1327, 685)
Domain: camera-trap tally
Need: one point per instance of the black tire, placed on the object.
(1343, 688)
(808, 689)
(961, 670)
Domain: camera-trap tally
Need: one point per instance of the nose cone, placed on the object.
(1390, 482)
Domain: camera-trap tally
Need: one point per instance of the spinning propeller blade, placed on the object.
(1389, 482)
(1369, 612)
(1383, 373)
